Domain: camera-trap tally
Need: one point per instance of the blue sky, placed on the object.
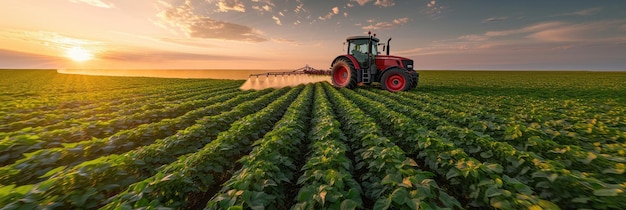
(287, 34)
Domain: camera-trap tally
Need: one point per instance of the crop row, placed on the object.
(266, 173)
(528, 139)
(186, 182)
(569, 122)
(102, 108)
(481, 182)
(28, 169)
(37, 122)
(110, 174)
(327, 181)
(389, 177)
(49, 98)
(547, 179)
(14, 146)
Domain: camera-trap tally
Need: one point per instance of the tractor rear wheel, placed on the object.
(395, 80)
(344, 74)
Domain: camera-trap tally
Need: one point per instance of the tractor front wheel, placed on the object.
(414, 79)
(344, 74)
(395, 80)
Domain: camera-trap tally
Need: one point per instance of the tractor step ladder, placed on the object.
(366, 76)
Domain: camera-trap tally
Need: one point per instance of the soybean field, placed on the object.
(460, 140)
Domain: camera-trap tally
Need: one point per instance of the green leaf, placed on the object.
(349, 204)
(496, 168)
(410, 162)
(607, 192)
(581, 200)
(235, 208)
(453, 172)
(493, 191)
(382, 204)
(486, 154)
(590, 156)
(52, 172)
(447, 200)
(500, 203)
(400, 196)
(413, 203)
(6, 190)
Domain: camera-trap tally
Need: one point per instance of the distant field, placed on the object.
(460, 140)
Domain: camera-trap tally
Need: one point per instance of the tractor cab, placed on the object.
(360, 47)
(363, 65)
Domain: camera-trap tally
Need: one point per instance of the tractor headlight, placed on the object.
(409, 66)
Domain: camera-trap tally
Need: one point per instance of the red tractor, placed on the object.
(363, 65)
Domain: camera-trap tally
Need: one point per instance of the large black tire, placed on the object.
(395, 80)
(414, 79)
(344, 74)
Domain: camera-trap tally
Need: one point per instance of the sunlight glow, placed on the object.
(78, 54)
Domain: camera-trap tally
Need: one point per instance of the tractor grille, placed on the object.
(408, 64)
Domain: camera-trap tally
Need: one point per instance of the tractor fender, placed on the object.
(349, 57)
(390, 67)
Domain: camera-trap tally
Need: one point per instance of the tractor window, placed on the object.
(358, 46)
(375, 48)
(358, 49)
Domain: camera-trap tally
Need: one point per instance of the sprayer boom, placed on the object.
(296, 77)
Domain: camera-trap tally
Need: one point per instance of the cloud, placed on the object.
(362, 2)
(333, 12)
(187, 42)
(473, 37)
(215, 29)
(15, 59)
(494, 19)
(401, 20)
(299, 8)
(597, 31)
(558, 31)
(95, 3)
(384, 3)
(53, 40)
(286, 41)
(230, 5)
(546, 37)
(434, 8)
(585, 12)
(532, 28)
(197, 26)
(265, 6)
(277, 20)
(159, 56)
(431, 3)
(380, 3)
(385, 25)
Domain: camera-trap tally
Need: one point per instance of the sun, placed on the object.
(78, 54)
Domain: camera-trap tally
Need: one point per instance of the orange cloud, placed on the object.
(95, 3)
(528, 29)
(230, 5)
(384, 3)
(385, 25)
(199, 26)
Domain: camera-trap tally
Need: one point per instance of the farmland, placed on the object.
(461, 140)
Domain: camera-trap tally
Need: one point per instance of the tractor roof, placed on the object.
(361, 37)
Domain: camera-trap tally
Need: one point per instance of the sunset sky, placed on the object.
(287, 34)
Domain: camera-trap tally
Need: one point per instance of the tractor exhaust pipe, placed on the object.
(388, 40)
